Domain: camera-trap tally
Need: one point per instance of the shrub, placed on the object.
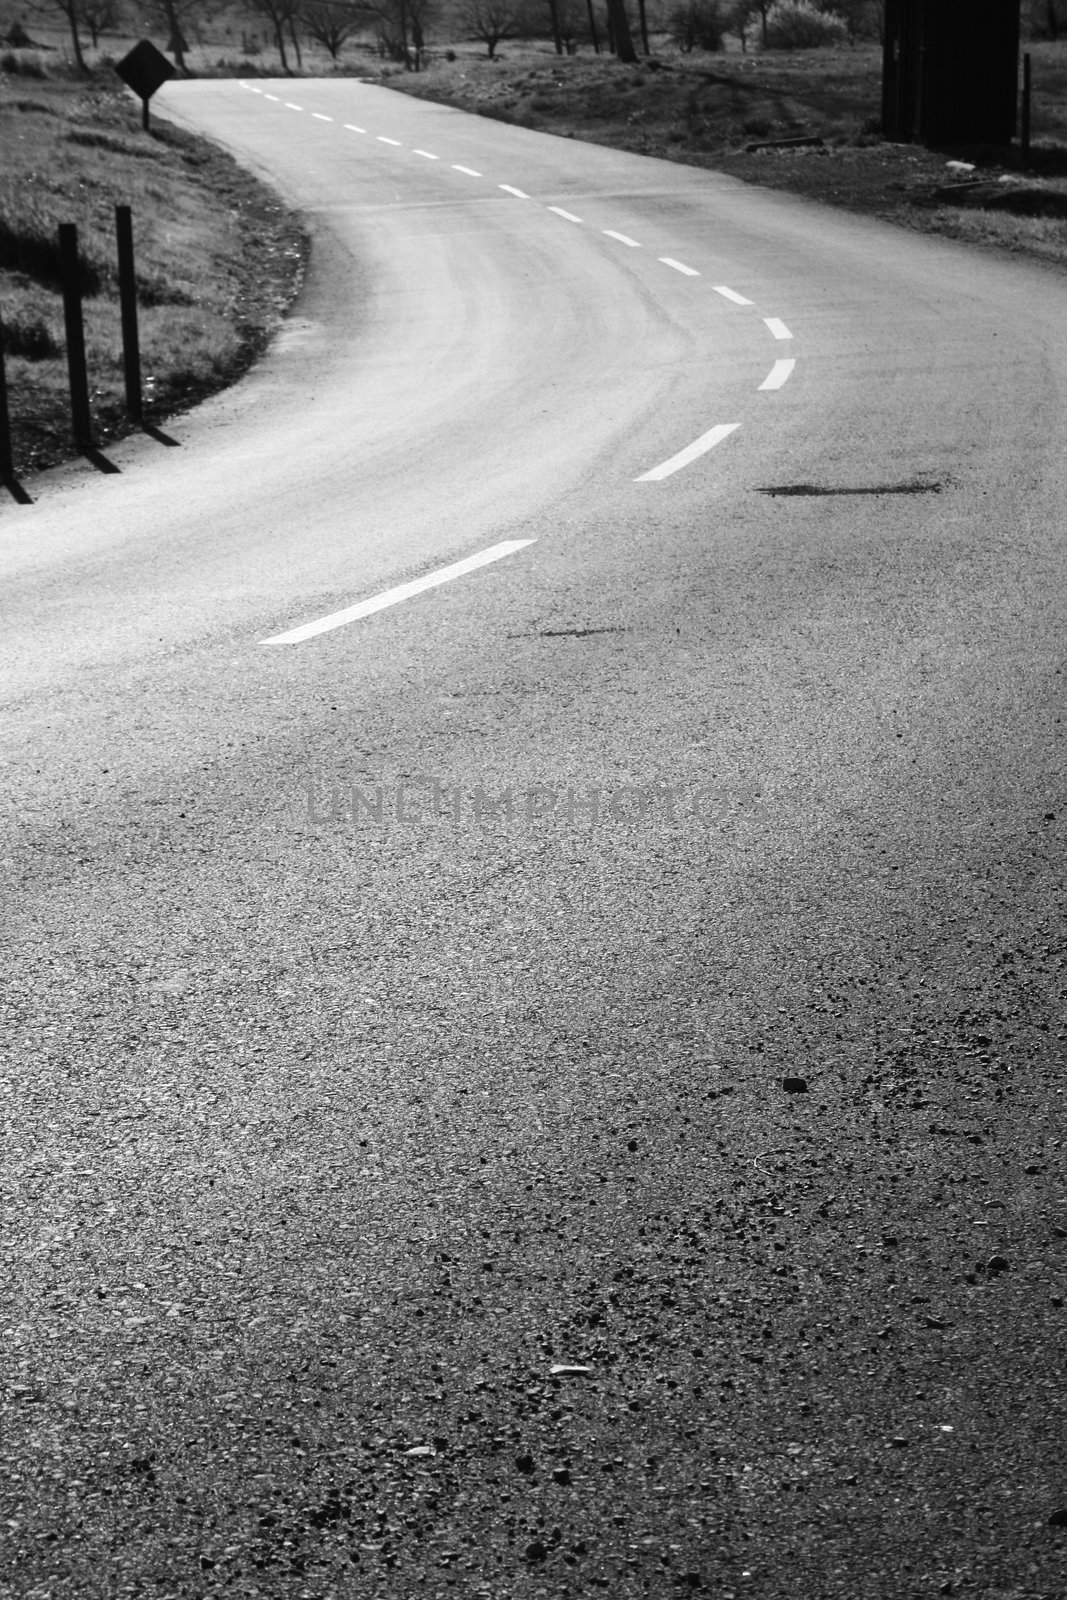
(799, 25)
(21, 66)
(697, 25)
(30, 337)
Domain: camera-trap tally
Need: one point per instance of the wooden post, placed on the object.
(81, 421)
(7, 460)
(131, 346)
(1027, 94)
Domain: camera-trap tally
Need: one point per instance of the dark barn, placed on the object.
(951, 71)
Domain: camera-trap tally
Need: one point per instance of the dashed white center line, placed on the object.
(778, 374)
(383, 139)
(568, 216)
(427, 155)
(679, 266)
(778, 327)
(320, 116)
(623, 238)
(509, 188)
(403, 591)
(293, 107)
(352, 128)
(731, 294)
(269, 96)
(699, 447)
(468, 170)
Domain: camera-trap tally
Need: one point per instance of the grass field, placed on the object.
(218, 258)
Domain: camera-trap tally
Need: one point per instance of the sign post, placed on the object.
(145, 69)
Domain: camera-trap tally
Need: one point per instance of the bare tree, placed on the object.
(621, 38)
(491, 21)
(71, 12)
(279, 14)
(177, 19)
(98, 15)
(332, 22)
(402, 29)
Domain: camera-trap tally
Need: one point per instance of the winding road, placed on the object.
(534, 978)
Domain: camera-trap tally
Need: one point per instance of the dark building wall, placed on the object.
(951, 71)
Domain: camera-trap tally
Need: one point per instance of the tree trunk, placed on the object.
(1053, 20)
(557, 36)
(296, 42)
(644, 26)
(279, 39)
(71, 9)
(592, 26)
(620, 28)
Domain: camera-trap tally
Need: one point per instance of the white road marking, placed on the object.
(731, 294)
(382, 139)
(778, 374)
(623, 238)
(293, 107)
(267, 96)
(778, 327)
(699, 447)
(321, 116)
(468, 170)
(428, 154)
(351, 126)
(509, 188)
(679, 266)
(568, 216)
(403, 591)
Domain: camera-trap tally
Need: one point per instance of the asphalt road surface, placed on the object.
(636, 950)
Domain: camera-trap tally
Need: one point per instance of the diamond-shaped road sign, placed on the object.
(145, 69)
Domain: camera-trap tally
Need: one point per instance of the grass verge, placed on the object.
(219, 259)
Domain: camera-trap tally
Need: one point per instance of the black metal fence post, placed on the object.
(7, 460)
(1027, 89)
(81, 420)
(131, 345)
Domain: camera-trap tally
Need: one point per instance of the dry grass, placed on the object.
(218, 258)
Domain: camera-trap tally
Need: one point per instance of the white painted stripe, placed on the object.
(731, 294)
(623, 238)
(509, 188)
(293, 107)
(429, 155)
(699, 447)
(351, 126)
(468, 170)
(403, 591)
(778, 374)
(321, 116)
(382, 139)
(778, 327)
(568, 216)
(679, 266)
(267, 96)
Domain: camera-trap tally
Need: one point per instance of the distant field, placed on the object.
(218, 257)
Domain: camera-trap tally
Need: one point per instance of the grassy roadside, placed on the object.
(219, 259)
(711, 111)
